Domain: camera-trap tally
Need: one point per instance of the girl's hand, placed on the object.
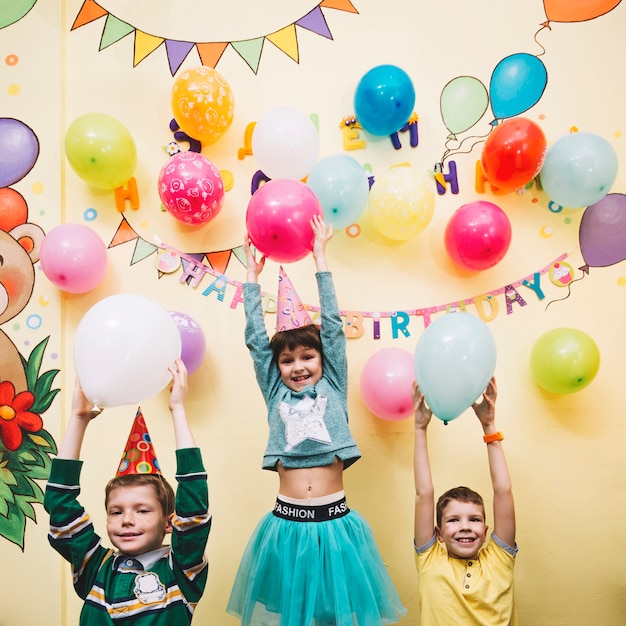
(254, 267)
(422, 413)
(322, 235)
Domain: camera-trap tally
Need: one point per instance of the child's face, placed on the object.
(135, 520)
(463, 529)
(300, 367)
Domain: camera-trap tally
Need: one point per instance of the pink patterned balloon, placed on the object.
(191, 188)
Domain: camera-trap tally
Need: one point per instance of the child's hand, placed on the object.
(422, 413)
(178, 390)
(83, 408)
(254, 267)
(486, 409)
(322, 236)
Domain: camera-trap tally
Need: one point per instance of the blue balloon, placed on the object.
(384, 100)
(19, 150)
(455, 359)
(517, 83)
(579, 170)
(342, 187)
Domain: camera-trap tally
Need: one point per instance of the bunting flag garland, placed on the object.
(194, 267)
(210, 53)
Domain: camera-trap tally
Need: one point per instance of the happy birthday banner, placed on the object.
(194, 267)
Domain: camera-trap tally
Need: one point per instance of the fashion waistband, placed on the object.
(301, 512)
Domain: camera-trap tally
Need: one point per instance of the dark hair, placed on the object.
(162, 489)
(461, 494)
(307, 336)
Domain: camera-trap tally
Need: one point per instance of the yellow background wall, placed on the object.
(565, 452)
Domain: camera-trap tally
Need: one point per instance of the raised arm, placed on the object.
(178, 393)
(322, 235)
(503, 504)
(83, 411)
(254, 267)
(424, 490)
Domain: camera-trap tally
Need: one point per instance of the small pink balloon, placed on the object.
(191, 188)
(73, 257)
(386, 382)
(192, 339)
(278, 219)
(478, 235)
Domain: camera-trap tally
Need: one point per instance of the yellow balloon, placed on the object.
(203, 103)
(564, 360)
(101, 150)
(401, 203)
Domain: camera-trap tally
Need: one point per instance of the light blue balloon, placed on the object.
(455, 359)
(579, 170)
(342, 187)
(384, 100)
(517, 83)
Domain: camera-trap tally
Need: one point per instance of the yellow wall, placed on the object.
(565, 451)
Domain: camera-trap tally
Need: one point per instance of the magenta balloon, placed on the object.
(192, 339)
(278, 219)
(602, 232)
(386, 382)
(478, 235)
(74, 258)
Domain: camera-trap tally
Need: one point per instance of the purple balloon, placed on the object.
(603, 231)
(19, 149)
(193, 342)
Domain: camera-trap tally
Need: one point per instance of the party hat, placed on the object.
(290, 312)
(138, 456)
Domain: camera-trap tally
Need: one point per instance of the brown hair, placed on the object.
(460, 494)
(162, 489)
(307, 336)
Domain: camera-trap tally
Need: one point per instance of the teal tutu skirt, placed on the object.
(314, 574)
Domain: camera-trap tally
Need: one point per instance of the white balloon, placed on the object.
(285, 143)
(123, 347)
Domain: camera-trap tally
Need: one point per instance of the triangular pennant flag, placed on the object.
(240, 254)
(143, 249)
(219, 260)
(211, 53)
(89, 12)
(114, 30)
(138, 456)
(341, 5)
(315, 22)
(144, 45)
(250, 51)
(177, 52)
(286, 41)
(290, 312)
(123, 234)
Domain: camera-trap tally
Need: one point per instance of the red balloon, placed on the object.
(514, 153)
(478, 235)
(278, 219)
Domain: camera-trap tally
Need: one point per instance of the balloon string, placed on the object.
(569, 292)
(458, 150)
(544, 26)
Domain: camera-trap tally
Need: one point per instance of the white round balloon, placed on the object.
(123, 347)
(285, 143)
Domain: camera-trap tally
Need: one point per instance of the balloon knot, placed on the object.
(445, 423)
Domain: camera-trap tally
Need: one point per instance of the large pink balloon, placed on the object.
(74, 258)
(278, 219)
(191, 188)
(478, 235)
(386, 382)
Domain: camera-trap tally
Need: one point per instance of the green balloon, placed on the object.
(101, 150)
(564, 360)
(463, 102)
(12, 11)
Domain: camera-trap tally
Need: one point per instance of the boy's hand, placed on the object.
(423, 414)
(486, 409)
(254, 267)
(83, 408)
(178, 390)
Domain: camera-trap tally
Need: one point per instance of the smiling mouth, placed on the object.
(465, 540)
(300, 379)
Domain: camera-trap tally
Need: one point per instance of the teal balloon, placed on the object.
(455, 359)
(463, 102)
(517, 83)
(579, 170)
(342, 187)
